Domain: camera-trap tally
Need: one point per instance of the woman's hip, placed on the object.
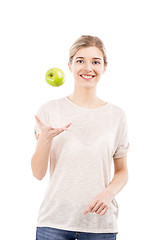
(47, 233)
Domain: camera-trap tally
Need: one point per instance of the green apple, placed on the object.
(55, 77)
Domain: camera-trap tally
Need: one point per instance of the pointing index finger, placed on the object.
(67, 126)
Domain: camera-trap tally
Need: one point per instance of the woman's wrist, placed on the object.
(110, 191)
(45, 138)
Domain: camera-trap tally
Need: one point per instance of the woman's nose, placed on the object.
(88, 66)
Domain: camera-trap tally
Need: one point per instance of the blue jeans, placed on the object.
(47, 233)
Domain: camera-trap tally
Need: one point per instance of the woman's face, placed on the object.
(87, 66)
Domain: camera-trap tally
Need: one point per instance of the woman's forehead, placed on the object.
(92, 52)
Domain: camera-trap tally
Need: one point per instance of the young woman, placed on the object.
(80, 135)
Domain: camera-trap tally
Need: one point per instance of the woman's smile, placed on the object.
(87, 76)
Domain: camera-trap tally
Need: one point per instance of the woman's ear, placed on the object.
(69, 65)
(104, 69)
(105, 66)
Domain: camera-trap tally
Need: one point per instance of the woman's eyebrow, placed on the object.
(97, 58)
(79, 57)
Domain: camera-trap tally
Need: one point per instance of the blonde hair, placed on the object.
(87, 41)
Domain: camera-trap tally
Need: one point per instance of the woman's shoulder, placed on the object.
(118, 110)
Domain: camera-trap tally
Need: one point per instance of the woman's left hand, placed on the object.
(100, 203)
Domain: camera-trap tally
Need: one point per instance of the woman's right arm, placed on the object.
(39, 161)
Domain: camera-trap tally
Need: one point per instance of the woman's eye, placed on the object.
(96, 62)
(79, 61)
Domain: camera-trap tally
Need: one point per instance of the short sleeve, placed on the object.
(123, 143)
(43, 116)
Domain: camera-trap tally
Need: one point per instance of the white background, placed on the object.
(36, 36)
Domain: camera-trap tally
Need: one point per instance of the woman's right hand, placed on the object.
(49, 131)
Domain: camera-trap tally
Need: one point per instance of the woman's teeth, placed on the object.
(87, 77)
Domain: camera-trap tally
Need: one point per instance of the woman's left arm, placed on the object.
(120, 175)
(101, 202)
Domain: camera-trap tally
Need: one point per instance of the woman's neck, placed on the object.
(86, 100)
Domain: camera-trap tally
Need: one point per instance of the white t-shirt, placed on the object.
(80, 164)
